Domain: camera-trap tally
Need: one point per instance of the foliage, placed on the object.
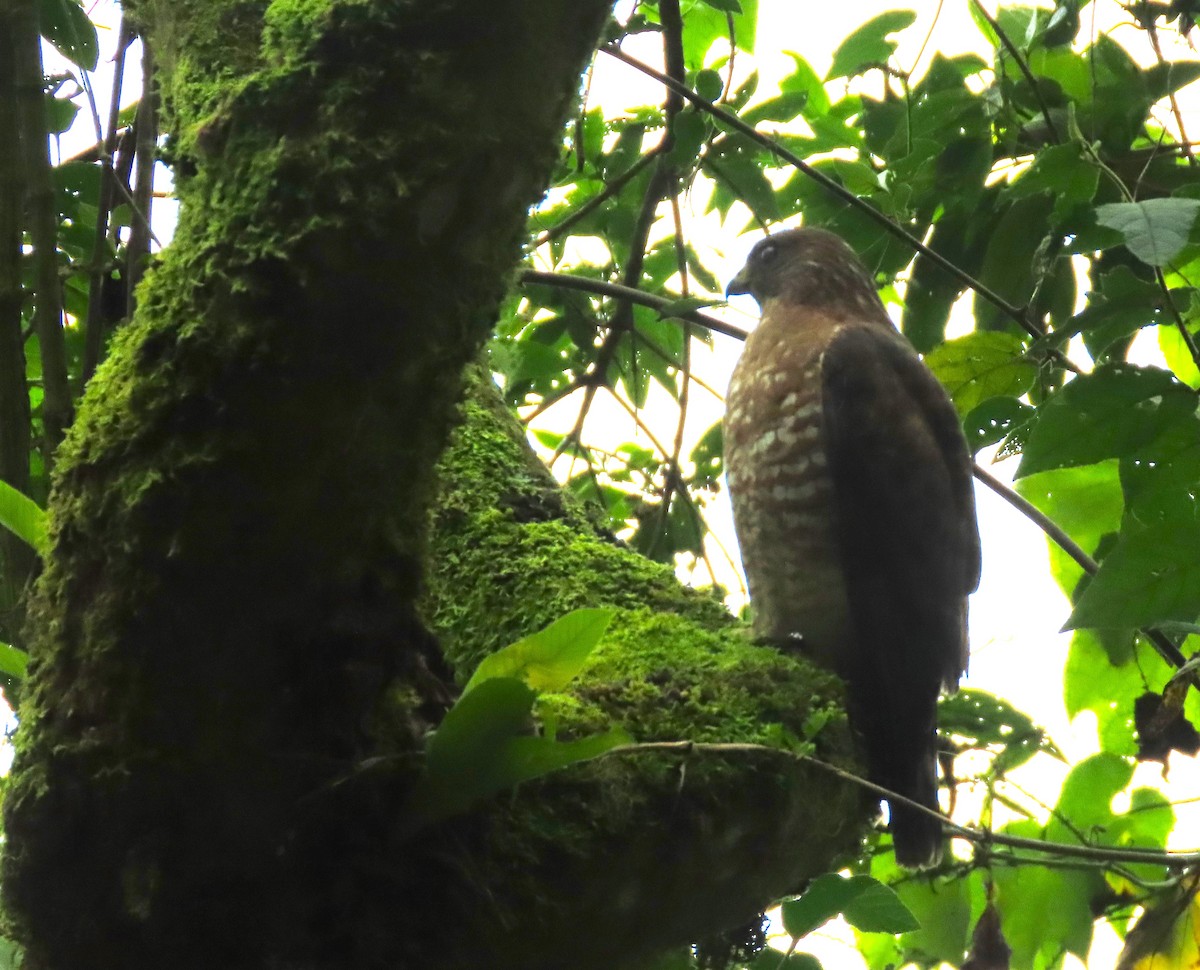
(1049, 188)
(488, 740)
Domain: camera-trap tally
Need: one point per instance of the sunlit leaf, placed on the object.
(13, 660)
(486, 744)
(66, 25)
(1155, 230)
(870, 45)
(980, 366)
(23, 517)
(549, 659)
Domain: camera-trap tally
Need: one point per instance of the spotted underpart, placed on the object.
(781, 488)
(854, 508)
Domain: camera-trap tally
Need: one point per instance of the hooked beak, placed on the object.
(739, 284)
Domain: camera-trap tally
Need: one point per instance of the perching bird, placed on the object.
(854, 508)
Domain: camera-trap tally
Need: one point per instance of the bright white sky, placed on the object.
(1016, 650)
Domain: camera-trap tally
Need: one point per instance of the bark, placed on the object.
(232, 680)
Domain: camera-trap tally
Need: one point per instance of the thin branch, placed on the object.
(618, 291)
(1022, 66)
(1152, 33)
(93, 326)
(610, 189)
(1039, 518)
(1163, 644)
(833, 187)
(674, 474)
(1180, 324)
(1102, 854)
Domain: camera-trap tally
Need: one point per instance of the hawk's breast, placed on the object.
(780, 485)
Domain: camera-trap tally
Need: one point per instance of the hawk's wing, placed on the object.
(904, 499)
(909, 543)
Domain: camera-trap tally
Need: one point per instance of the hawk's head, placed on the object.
(808, 267)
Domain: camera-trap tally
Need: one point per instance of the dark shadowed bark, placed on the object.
(227, 633)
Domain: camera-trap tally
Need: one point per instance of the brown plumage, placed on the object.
(854, 508)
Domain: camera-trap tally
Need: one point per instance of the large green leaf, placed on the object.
(870, 45)
(486, 744)
(23, 517)
(549, 659)
(1151, 574)
(1045, 911)
(1105, 414)
(980, 366)
(1155, 230)
(13, 661)
(866, 903)
(1086, 502)
(1066, 172)
(981, 720)
(1099, 680)
(941, 905)
(65, 24)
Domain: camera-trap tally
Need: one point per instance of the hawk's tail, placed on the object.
(917, 837)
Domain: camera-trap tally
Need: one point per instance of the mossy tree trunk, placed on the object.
(228, 629)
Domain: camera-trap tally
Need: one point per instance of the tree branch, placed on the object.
(833, 187)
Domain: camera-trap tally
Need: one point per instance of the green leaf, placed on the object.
(869, 45)
(994, 420)
(1155, 230)
(485, 745)
(732, 6)
(1064, 171)
(1150, 575)
(1020, 229)
(1085, 803)
(1160, 478)
(65, 24)
(985, 721)
(804, 80)
(1086, 502)
(1097, 680)
(22, 516)
(1122, 305)
(685, 305)
(866, 903)
(943, 908)
(980, 366)
(13, 660)
(704, 24)
(1106, 414)
(550, 659)
(1045, 911)
(879, 910)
